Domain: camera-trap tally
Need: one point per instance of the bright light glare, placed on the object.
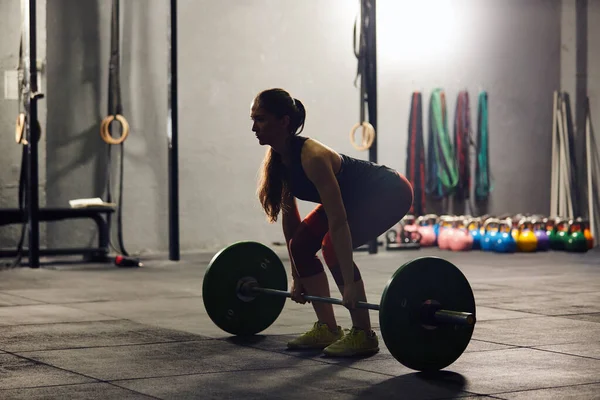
(420, 31)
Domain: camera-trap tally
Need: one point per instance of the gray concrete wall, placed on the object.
(10, 152)
(228, 54)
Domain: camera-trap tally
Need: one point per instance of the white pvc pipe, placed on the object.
(567, 162)
(554, 173)
(591, 205)
(562, 211)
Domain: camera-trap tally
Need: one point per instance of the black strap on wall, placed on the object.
(115, 108)
(415, 155)
(367, 70)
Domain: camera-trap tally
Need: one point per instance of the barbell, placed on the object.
(426, 312)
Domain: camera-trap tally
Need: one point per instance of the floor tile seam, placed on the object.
(234, 371)
(568, 343)
(113, 319)
(80, 384)
(533, 315)
(112, 345)
(191, 296)
(543, 388)
(42, 302)
(37, 362)
(530, 347)
(462, 393)
(525, 295)
(564, 353)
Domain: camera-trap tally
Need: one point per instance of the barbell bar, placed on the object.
(439, 316)
(427, 311)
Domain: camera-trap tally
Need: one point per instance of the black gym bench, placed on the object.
(9, 216)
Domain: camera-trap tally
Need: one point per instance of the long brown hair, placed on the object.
(272, 185)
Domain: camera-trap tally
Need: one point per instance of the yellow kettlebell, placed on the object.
(526, 239)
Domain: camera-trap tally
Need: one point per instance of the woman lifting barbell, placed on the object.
(357, 201)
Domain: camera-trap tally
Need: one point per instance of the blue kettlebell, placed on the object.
(474, 228)
(505, 242)
(490, 230)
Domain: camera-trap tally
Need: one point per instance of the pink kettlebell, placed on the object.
(446, 232)
(426, 230)
(461, 239)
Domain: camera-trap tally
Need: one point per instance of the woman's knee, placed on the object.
(303, 252)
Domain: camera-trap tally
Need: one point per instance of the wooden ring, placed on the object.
(105, 133)
(368, 135)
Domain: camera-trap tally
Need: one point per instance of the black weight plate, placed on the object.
(241, 315)
(415, 346)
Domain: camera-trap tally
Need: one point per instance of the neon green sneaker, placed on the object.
(357, 342)
(319, 337)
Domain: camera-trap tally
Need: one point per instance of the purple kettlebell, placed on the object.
(543, 241)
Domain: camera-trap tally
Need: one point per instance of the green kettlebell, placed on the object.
(576, 241)
(561, 234)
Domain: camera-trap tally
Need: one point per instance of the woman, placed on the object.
(357, 201)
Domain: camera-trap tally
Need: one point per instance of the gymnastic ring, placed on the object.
(20, 129)
(105, 134)
(368, 135)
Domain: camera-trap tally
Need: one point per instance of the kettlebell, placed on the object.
(550, 226)
(425, 228)
(561, 234)
(474, 228)
(490, 228)
(446, 232)
(461, 239)
(504, 241)
(576, 241)
(526, 242)
(588, 234)
(543, 242)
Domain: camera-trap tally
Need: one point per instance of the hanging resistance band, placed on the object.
(462, 130)
(442, 173)
(483, 184)
(415, 155)
(115, 112)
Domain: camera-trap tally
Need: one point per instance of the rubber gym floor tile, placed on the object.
(495, 372)
(108, 288)
(165, 359)
(589, 349)
(551, 304)
(18, 372)
(537, 331)
(231, 385)
(577, 392)
(11, 300)
(322, 381)
(47, 314)
(492, 314)
(22, 338)
(87, 391)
